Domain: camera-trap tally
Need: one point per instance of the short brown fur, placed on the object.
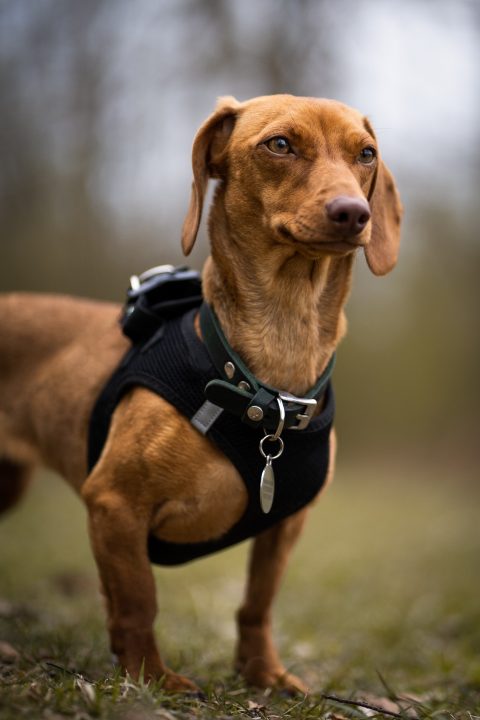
(278, 277)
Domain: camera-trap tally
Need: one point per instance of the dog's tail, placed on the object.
(14, 479)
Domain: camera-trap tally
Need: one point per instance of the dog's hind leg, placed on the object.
(257, 658)
(14, 479)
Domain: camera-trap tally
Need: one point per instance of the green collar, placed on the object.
(242, 394)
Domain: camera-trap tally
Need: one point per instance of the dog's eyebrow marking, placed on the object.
(279, 127)
(357, 139)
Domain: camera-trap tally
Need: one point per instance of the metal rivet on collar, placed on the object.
(243, 385)
(255, 413)
(229, 368)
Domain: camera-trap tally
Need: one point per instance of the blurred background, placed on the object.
(100, 100)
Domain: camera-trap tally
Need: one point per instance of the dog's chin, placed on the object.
(317, 248)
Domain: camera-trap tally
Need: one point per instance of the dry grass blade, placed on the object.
(363, 705)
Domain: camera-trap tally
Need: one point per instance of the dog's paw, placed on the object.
(290, 684)
(171, 682)
(258, 674)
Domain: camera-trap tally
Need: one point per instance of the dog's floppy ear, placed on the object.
(208, 157)
(382, 249)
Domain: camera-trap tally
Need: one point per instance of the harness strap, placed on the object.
(158, 295)
(242, 394)
(165, 292)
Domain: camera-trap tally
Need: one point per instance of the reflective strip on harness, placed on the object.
(206, 416)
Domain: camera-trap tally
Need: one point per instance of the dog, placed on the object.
(301, 186)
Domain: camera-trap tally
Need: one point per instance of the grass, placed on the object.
(381, 601)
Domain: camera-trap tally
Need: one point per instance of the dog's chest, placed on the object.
(178, 368)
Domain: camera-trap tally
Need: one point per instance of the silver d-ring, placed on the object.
(281, 422)
(271, 438)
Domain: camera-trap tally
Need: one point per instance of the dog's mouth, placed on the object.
(317, 247)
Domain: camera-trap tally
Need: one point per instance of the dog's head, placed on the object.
(304, 173)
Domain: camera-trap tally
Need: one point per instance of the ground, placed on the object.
(381, 601)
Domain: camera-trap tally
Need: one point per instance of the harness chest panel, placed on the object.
(176, 365)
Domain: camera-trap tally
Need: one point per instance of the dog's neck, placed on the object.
(280, 311)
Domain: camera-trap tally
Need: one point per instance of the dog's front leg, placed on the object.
(119, 539)
(257, 658)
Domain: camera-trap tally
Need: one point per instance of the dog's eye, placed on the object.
(279, 145)
(367, 155)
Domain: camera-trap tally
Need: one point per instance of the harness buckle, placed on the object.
(309, 407)
(156, 295)
(136, 281)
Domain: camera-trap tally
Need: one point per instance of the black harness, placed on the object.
(168, 358)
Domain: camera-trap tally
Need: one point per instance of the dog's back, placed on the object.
(42, 338)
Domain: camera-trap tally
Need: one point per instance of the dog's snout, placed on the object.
(349, 214)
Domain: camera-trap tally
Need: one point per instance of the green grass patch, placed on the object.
(381, 601)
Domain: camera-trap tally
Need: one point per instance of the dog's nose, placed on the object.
(349, 214)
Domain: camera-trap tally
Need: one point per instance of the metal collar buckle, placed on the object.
(309, 407)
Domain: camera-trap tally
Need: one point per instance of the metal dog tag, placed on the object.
(267, 486)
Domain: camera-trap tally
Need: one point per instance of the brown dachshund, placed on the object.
(301, 187)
